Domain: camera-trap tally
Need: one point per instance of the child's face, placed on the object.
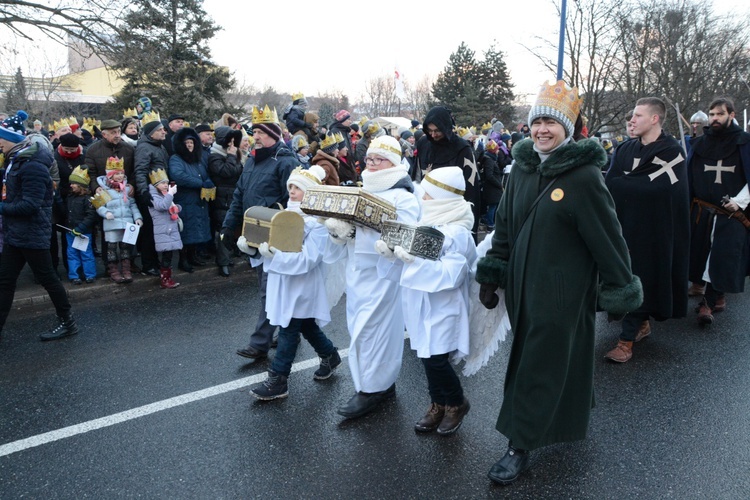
(295, 193)
(163, 186)
(118, 176)
(76, 189)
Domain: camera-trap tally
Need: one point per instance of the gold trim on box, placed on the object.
(422, 241)
(348, 203)
(281, 229)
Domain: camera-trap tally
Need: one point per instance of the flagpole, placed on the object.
(561, 44)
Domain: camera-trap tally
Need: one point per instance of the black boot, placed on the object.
(184, 263)
(192, 256)
(65, 328)
(507, 469)
(274, 387)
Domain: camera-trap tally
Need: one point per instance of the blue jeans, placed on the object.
(490, 216)
(77, 258)
(289, 341)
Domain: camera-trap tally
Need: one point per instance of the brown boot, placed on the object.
(114, 272)
(622, 352)
(454, 416)
(166, 278)
(721, 304)
(431, 419)
(696, 290)
(643, 331)
(705, 316)
(127, 276)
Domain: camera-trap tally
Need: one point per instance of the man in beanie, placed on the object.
(262, 183)
(175, 122)
(150, 155)
(26, 210)
(568, 258)
(342, 125)
(648, 181)
(441, 147)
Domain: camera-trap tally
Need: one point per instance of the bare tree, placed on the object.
(380, 98)
(418, 97)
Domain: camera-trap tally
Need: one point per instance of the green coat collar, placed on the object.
(568, 157)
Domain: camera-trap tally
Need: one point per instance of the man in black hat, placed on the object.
(207, 138)
(174, 123)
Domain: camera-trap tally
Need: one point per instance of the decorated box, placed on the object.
(281, 229)
(348, 203)
(422, 241)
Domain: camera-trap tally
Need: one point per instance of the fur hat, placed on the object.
(444, 183)
(304, 179)
(387, 147)
(12, 128)
(559, 102)
(70, 141)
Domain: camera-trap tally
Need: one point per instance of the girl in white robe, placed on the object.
(435, 297)
(373, 304)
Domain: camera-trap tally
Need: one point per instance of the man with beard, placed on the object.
(648, 182)
(719, 166)
(441, 147)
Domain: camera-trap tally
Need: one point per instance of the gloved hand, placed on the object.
(266, 251)
(110, 216)
(340, 230)
(403, 255)
(208, 184)
(382, 248)
(138, 222)
(487, 295)
(615, 317)
(243, 247)
(75, 232)
(144, 199)
(172, 189)
(226, 236)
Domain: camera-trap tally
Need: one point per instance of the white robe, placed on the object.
(296, 285)
(373, 304)
(435, 297)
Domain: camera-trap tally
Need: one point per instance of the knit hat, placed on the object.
(80, 176)
(298, 143)
(37, 122)
(372, 129)
(150, 127)
(145, 103)
(406, 134)
(516, 137)
(559, 102)
(387, 147)
(304, 179)
(69, 141)
(444, 183)
(342, 115)
(12, 128)
(267, 121)
(110, 124)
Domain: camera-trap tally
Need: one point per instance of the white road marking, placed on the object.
(142, 411)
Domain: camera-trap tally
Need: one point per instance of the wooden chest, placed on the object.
(422, 241)
(281, 229)
(348, 203)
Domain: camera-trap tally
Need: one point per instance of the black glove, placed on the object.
(615, 317)
(144, 200)
(487, 295)
(226, 236)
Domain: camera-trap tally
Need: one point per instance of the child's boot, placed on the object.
(327, 366)
(166, 278)
(127, 276)
(274, 387)
(114, 272)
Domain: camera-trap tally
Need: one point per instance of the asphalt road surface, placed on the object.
(150, 400)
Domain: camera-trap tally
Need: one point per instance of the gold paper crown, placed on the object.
(115, 163)
(100, 199)
(330, 140)
(150, 117)
(362, 121)
(130, 113)
(486, 126)
(72, 121)
(559, 97)
(298, 95)
(267, 116)
(463, 132)
(90, 123)
(339, 137)
(80, 176)
(63, 122)
(156, 176)
(186, 124)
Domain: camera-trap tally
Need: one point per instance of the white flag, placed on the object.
(400, 93)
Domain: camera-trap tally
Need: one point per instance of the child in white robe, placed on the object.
(296, 296)
(435, 297)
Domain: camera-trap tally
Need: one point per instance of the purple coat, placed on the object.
(166, 230)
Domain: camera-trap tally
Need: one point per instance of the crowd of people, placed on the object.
(565, 241)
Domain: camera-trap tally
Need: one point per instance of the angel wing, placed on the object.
(488, 327)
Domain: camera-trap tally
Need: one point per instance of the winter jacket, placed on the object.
(262, 183)
(492, 179)
(330, 165)
(98, 153)
(295, 119)
(81, 213)
(65, 166)
(27, 208)
(224, 170)
(190, 179)
(125, 211)
(166, 231)
(150, 155)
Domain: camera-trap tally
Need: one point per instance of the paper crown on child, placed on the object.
(339, 139)
(559, 102)
(492, 146)
(329, 142)
(265, 116)
(297, 96)
(486, 127)
(63, 122)
(130, 113)
(80, 176)
(157, 176)
(115, 164)
(90, 123)
(100, 199)
(463, 132)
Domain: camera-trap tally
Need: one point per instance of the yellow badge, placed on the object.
(557, 194)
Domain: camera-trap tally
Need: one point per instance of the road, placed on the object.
(151, 401)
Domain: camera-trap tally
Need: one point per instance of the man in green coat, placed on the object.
(559, 253)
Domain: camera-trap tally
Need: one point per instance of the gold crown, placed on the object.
(330, 140)
(80, 176)
(266, 116)
(129, 113)
(486, 126)
(463, 132)
(149, 117)
(115, 163)
(72, 121)
(157, 176)
(492, 146)
(561, 98)
(339, 137)
(100, 199)
(298, 95)
(63, 122)
(90, 123)
(362, 121)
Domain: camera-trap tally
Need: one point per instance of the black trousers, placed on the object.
(145, 244)
(40, 262)
(442, 381)
(631, 323)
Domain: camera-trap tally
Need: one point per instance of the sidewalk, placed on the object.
(29, 293)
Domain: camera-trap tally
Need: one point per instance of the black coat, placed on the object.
(149, 155)
(492, 179)
(99, 152)
(82, 215)
(224, 170)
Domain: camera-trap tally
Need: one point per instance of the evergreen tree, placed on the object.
(164, 55)
(497, 89)
(460, 71)
(325, 113)
(17, 97)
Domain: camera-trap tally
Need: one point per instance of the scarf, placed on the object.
(69, 156)
(294, 206)
(376, 181)
(122, 187)
(450, 211)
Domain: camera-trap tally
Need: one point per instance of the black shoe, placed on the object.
(507, 469)
(274, 387)
(185, 266)
(224, 271)
(252, 353)
(150, 272)
(327, 366)
(363, 403)
(76, 281)
(90, 280)
(65, 328)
